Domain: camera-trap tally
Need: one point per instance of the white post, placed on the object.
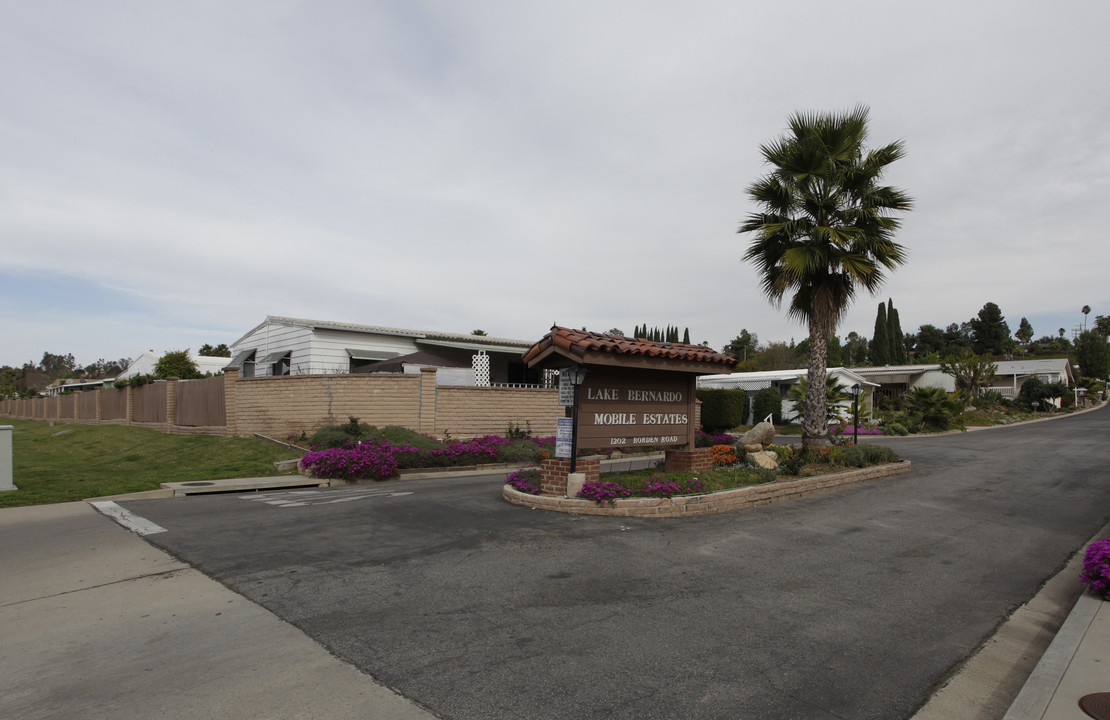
(6, 458)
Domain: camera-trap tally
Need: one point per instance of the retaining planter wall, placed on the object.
(718, 502)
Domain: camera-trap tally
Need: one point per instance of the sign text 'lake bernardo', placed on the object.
(629, 408)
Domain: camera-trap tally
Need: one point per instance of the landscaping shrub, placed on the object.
(895, 428)
(1096, 568)
(332, 436)
(520, 451)
(722, 409)
(708, 439)
(603, 491)
(768, 402)
(724, 455)
(404, 436)
(525, 481)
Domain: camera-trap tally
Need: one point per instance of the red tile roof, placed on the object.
(576, 343)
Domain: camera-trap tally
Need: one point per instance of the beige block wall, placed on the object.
(292, 404)
(473, 411)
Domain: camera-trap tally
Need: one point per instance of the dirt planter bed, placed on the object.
(718, 502)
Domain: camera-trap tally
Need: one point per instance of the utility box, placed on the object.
(6, 458)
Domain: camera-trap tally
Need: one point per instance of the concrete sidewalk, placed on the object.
(97, 623)
(1077, 663)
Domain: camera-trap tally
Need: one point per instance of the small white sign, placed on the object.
(566, 390)
(564, 436)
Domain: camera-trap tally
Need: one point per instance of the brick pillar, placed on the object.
(696, 460)
(427, 414)
(171, 401)
(231, 400)
(554, 471)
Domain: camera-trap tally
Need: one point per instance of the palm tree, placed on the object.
(824, 229)
(1086, 311)
(835, 395)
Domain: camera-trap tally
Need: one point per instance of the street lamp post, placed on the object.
(577, 377)
(856, 389)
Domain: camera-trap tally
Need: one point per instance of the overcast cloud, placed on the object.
(171, 173)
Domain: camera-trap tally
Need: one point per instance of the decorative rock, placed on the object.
(765, 460)
(753, 448)
(761, 434)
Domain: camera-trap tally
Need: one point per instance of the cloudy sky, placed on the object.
(171, 173)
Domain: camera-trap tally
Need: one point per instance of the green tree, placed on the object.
(1102, 325)
(855, 349)
(825, 228)
(220, 350)
(1024, 333)
(930, 341)
(178, 364)
(970, 371)
(744, 345)
(990, 333)
(1093, 355)
(1086, 311)
(897, 339)
(880, 341)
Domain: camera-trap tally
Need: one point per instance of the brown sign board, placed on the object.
(628, 408)
(636, 392)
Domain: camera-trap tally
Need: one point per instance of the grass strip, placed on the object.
(64, 462)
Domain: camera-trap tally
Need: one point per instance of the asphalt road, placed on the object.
(855, 603)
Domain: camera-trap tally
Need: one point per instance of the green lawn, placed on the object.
(75, 462)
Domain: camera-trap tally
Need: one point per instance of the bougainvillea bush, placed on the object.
(1096, 568)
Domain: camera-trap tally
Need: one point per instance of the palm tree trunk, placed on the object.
(815, 429)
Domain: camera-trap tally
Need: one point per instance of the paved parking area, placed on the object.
(856, 603)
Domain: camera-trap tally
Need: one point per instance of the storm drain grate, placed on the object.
(1097, 705)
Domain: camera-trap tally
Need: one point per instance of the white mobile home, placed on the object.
(293, 346)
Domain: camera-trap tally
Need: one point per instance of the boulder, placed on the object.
(761, 434)
(753, 448)
(765, 460)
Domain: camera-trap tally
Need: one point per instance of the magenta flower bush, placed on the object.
(606, 491)
(368, 461)
(663, 488)
(603, 491)
(525, 481)
(1096, 568)
(378, 459)
(848, 430)
(709, 439)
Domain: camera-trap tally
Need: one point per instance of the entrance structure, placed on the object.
(636, 393)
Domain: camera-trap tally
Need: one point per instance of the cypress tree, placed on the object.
(686, 336)
(880, 343)
(897, 345)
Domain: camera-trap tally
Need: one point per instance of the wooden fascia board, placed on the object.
(542, 360)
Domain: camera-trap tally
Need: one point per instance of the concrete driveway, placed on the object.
(852, 604)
